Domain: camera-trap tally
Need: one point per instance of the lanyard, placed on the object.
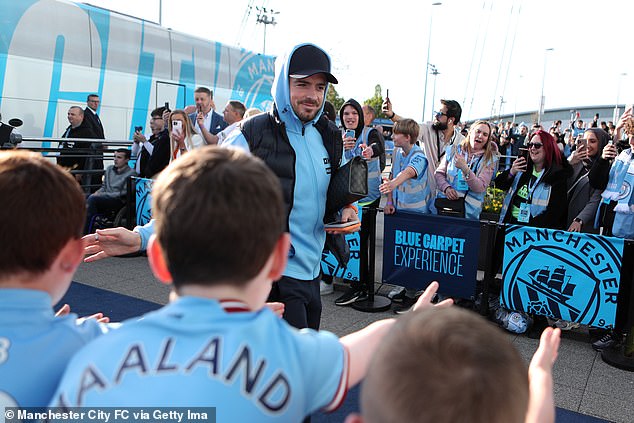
(531, 187)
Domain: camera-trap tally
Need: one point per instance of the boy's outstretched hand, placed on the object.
(424, 301)
(541, 403)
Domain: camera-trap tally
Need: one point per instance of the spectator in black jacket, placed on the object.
(153, 154)
(78, 128)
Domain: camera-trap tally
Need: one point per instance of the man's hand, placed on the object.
(166, 117)
(139, 138)
(424, 301)
(348, 214)
(110, 242)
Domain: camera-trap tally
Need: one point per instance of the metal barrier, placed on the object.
(100, 150)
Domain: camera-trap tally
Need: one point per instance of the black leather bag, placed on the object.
(453, 208)
(348, 184)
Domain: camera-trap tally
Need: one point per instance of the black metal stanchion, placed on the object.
(489, 271)
(374, 303)
(618, 357)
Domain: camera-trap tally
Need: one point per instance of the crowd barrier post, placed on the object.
(623, 356)
(374, 303)
(491, 230)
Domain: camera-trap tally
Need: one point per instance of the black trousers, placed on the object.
(302, 302)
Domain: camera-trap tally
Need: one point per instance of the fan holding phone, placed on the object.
(182, 135)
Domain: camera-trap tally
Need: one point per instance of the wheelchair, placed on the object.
(111, 219)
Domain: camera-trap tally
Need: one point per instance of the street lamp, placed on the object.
(618, 92)
(541, 98)
(264, 18)
(431, 15)
(517, 91)
(433, 71)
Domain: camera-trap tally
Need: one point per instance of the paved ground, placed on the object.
(583, 382)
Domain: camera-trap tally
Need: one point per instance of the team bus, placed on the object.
(54, 53)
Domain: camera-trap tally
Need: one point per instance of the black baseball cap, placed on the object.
(308, 60)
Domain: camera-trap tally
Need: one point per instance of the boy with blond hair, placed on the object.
(408, 188)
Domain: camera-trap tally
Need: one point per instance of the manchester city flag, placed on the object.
(563, 275)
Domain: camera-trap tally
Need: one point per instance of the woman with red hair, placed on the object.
(537, 185)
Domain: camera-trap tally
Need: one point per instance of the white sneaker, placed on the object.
(326, 288)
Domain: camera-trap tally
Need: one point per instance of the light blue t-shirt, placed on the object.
(36, 346)
(199, 352)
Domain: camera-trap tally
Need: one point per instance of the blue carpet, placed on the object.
(85, 300)
(351, 405)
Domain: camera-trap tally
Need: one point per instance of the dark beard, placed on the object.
(439, 126)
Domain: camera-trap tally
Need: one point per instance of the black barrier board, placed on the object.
(564, 275)
(421, 248)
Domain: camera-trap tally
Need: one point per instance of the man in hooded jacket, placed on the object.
(303, 148)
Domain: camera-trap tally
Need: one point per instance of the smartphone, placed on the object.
(340, 225)
(138, 129)
(387, 93)
(350, 133)
(167, 106)
(582, 142)
(177, 127)
(523, 153)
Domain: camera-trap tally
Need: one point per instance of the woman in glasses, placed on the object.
(537, 185)
(465, 171)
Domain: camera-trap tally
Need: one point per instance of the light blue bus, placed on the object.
(54, 53)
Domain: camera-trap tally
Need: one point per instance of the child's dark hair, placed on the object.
(43, 208)
(219, 214)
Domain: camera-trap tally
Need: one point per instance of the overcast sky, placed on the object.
(483, 50)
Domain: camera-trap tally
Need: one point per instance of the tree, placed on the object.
(334, 97)
(377, 101)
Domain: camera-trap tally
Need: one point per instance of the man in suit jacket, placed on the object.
(91, 116)
(206, 121)
(78, 128)
(92, 119)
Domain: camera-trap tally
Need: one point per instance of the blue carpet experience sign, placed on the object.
(419, 249)
(560, 274)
